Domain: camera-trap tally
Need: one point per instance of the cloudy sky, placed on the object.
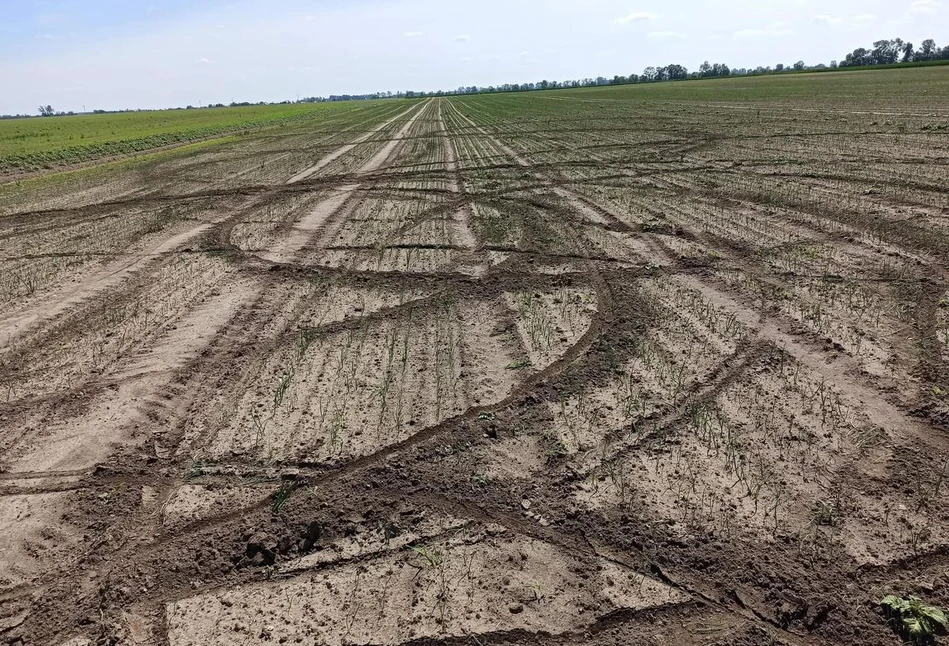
(116, 54)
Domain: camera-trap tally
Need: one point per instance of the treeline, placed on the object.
(350, 97)
(889, 52)
(884, 52)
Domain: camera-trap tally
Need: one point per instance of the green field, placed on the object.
(47, 142)
(904, 90)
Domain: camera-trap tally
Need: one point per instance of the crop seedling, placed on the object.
(435, 559)
(282, 496)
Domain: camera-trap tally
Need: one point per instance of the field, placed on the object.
(40, 143)
(658, 364)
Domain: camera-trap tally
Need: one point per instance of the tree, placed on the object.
(798, 66)
(779, 67)
(928, 51)
(705, 69)
(676, 72)
(46, 111)
(907, 53)
(857, 58)
(649, 75)
(885, 52)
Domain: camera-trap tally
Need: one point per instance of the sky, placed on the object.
(114, 54)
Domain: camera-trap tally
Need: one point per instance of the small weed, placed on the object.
(195, 469)
(431, 555)
(826, 513)
(537, 590)
(554, 448)
(518, 364)
(913, 619)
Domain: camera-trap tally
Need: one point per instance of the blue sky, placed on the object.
(163, 53)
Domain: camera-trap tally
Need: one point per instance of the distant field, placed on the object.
(913, 90)
(28, 145)
(36, 144)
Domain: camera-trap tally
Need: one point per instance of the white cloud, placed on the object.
(638, 16)
(206, 61)
(774, 29)
(924, 6)
(462, 38)
(824, 19)
(412, 34)
(664, 35)
(864, 19)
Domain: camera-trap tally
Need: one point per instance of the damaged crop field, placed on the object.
(656, 364)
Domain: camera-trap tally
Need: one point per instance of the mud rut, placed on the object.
(369, 422)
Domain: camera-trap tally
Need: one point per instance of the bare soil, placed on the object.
(460, 372)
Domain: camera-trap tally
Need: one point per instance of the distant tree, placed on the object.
(833, 65)
(907, 53)
(798, 66)
(779, 67)
(46, 111)
(857, 58)
(649, 75)
(676, 72)
(927, 51)
(885, 52)
(705, 69)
